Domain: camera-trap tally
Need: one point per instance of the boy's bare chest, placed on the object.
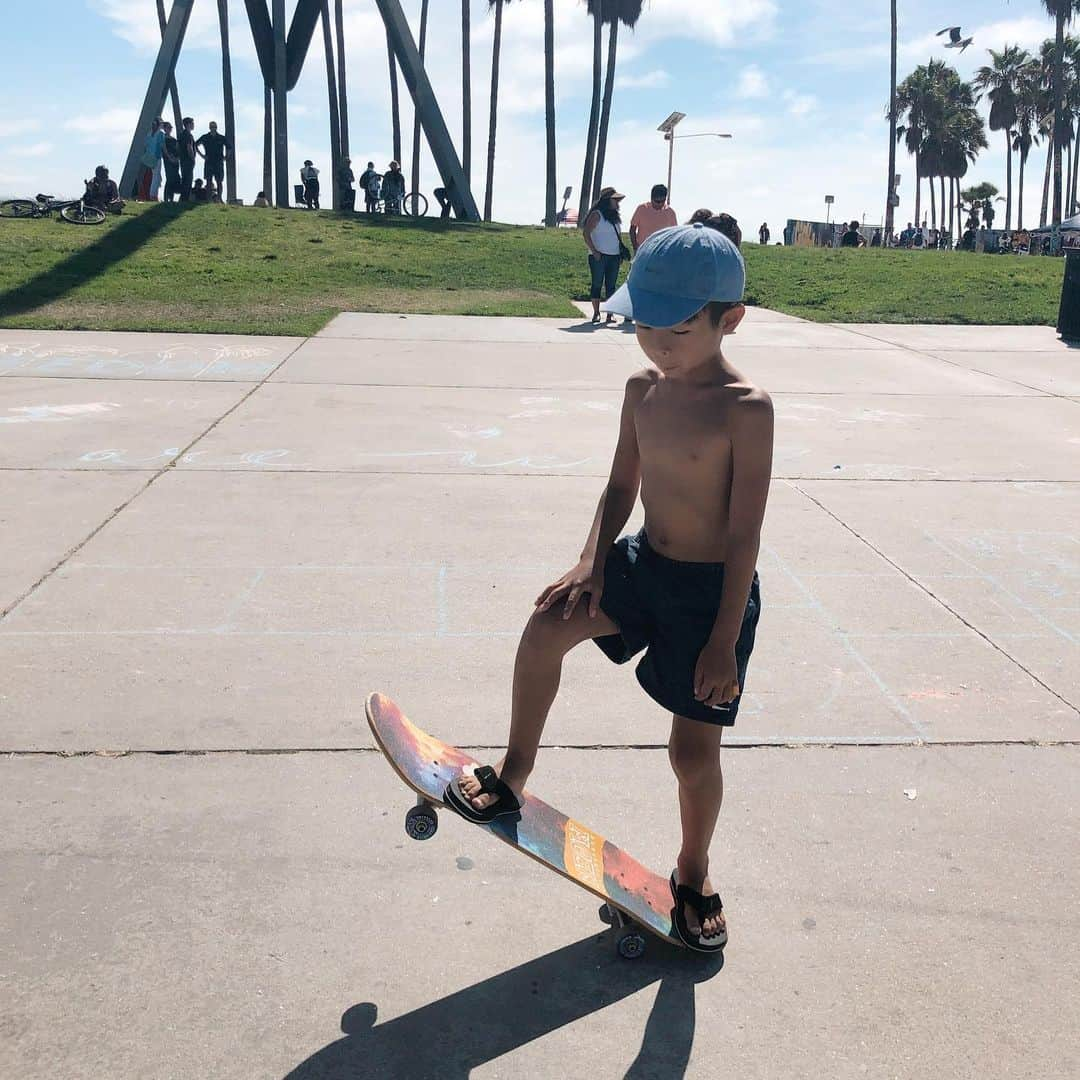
(683, 430)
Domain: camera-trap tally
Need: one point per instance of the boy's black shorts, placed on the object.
(670, 606)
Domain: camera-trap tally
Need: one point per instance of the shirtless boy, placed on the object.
(696, 438)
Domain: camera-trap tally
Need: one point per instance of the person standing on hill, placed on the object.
(763, 233)
(651, 216)
(309, 177)
(171, 154)
(213, 147)
(370, 184)
(188, 154)
(604, 241)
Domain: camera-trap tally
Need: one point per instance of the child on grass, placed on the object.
(696, 439)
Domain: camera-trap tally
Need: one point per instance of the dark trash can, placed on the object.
(298, 194)
(1068, 324)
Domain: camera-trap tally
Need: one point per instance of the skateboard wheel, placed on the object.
(606, 915)
(421, 822)
(630, 945)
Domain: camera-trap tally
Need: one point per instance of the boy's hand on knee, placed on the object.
(584, 578)
(716, 676)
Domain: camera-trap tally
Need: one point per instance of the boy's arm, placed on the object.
(751, 449)
(620, 495)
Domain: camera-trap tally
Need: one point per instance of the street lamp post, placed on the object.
(668, 128)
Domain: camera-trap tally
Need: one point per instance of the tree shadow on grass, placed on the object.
(90, 262)
(450, 1037)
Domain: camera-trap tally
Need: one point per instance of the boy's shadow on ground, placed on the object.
(452, 1036)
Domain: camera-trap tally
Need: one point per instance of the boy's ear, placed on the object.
(731, 318)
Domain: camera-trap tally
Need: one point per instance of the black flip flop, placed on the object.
(704, 906)
(506, 802)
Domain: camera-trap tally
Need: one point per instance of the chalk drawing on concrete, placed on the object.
(30, 414)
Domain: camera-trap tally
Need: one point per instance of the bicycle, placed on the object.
(414, 205)
(74, 211)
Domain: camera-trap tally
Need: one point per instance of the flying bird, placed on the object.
(955, 41)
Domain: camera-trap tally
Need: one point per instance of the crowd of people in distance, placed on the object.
(602, 233)
(176, 156)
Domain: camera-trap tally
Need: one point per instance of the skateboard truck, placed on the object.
(629, 942)
(422, 820)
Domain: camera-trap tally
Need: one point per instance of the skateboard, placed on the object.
(635, 898)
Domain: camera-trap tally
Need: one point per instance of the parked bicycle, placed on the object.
(414, 205)
(75, 211)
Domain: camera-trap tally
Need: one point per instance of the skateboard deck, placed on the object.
(634, 895)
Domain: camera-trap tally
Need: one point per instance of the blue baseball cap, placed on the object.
(676, 272)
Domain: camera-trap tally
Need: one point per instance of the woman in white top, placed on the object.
(602, 238)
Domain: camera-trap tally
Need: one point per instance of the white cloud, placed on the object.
(752, 83)
(648, 80)
(799, 104)
(38, 149)
(9, 129)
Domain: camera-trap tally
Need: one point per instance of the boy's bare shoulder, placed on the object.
(641, 381)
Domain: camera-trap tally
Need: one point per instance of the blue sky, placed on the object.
(801, 87)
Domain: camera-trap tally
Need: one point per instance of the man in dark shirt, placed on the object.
(103, 192)
(187, 157)
(851, 238)
(171, 158)
(213, 147)
(370, 181)
(346, 191)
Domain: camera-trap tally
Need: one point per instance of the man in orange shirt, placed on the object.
(650, 217)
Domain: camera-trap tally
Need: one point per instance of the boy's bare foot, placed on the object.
(478, 800)
(715, 925)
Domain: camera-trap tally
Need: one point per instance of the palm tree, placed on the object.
(343, 98)
(918, 97)
(892, 131)
(1062, 12)
(549, 112)
(416, 112)
(595, 9)
(1000, 81)
(332, 99)
(963, 135)
(227, 94)
(177, 115)
(395, 111)
(496, 46)
(626, 12)
(1027, 120)
(466, 92)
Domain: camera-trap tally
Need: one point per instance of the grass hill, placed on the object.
(218, 269)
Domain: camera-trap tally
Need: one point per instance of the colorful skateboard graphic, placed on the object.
(634, 895)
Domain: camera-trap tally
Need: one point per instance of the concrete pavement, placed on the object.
(213, 547)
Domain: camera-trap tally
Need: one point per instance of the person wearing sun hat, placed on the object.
(601, 232)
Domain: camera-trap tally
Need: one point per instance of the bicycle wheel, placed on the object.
(17, 208)
(81, 214)
(415, 204)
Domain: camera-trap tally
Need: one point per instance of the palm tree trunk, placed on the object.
(227, 94)
(942, 225)
(1068, 175)
(395, 111)
(1058, 87)
(549, 112)
(594, 116)
(933, 202)
(332, 101)
(889, 209)
(918, 194)
(416, 112)
(1020, 192)
(1008, 179)
(177, 115)
(343, 96)
(605, 111)
(952, 204)
(493, 115)
(268, 140)
(1043, 211)
(1075, 170)
(466, 92)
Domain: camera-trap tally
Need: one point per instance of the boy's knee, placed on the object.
(691, 763)
(548, 631)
